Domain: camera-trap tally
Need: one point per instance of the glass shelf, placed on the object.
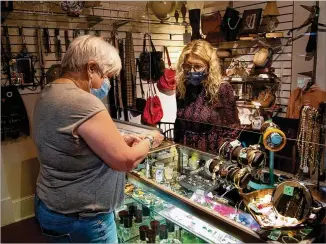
(156, 202)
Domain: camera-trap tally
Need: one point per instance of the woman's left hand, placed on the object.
(132, 140)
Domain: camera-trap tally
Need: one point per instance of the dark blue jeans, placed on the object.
(61, 228)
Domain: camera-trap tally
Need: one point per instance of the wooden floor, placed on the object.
(25, 231)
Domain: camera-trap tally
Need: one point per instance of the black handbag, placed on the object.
(151, 64)
(14, 119)
(140, 101)
(231, 24)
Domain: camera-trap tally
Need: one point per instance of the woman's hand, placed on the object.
(158, 138)
(132, 140)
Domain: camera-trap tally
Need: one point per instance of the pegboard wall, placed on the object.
(33, 15)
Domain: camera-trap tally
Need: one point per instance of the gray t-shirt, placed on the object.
(72, 177)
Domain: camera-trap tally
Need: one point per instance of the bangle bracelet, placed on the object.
(219, 152)
(296, 240)
(150, 138)
(227, 151)
(242, 154)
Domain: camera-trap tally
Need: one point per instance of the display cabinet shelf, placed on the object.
(165, 207)
(221, 223)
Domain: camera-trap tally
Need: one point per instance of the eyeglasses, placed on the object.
(195, 67)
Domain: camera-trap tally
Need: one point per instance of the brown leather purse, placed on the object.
(211, 22)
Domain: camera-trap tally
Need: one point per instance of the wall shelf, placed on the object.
(250, 43)
(254, 80)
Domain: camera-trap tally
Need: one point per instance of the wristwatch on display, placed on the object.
(150, 138)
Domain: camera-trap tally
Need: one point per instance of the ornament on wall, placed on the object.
(72, 8)
(184, 12)
(162, 9)
(176, 16)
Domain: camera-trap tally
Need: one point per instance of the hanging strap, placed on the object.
(58, 43)
(67, 41)
(75, 33)
(141, 83)
(41, 55)
(150, 41)
(46, 41)
(24, 45)
(168, 56)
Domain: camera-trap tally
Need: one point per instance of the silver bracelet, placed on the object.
(150, 138)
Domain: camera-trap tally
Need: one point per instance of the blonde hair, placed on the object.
(206, 52)
(91, 48)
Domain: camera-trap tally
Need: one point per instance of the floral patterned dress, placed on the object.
(203, 125)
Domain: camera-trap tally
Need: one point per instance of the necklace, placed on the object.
(232, 28)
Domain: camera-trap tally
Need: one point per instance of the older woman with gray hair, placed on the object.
(83, 157)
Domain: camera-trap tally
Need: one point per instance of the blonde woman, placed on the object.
(83, 157)
(203, 100)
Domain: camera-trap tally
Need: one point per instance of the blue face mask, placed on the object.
(195, 78)
(103, 91)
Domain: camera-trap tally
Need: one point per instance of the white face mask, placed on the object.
(103, 91)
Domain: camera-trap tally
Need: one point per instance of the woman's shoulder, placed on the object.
(225, 86)
(70, 97)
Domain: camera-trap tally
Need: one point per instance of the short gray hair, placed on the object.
(91, 48)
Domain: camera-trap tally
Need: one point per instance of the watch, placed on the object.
(150, 138)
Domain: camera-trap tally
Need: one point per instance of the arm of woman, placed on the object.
(229, 113)
(103, 137)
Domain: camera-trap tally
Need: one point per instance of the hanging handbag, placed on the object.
(14, 119)
(167, 81)
(211, 22)
(211, 27)
(231, 24)
(140, 101)
(153, 112)
(151, 63)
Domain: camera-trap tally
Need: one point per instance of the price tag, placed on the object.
(274, 235)
(305, 169)
(288, 190)
(301, 82)
(254, 208)
(243, 155)
(200, 192)
(235, 143)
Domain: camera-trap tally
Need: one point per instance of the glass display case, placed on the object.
(176, 184)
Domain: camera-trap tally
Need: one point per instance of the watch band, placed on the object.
(150, 138)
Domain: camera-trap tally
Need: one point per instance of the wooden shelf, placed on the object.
(251, 43)
(256, 80)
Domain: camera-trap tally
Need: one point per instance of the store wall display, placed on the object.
(231, 24)
(250, 21)
(167, 81)
(14, 120)
(300, 97)
(72, 8)
(153, 112)
(150, 63)
(162, 10)
(309, 137)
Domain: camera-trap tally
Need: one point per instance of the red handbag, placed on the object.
(153, 112)
(167, 80)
